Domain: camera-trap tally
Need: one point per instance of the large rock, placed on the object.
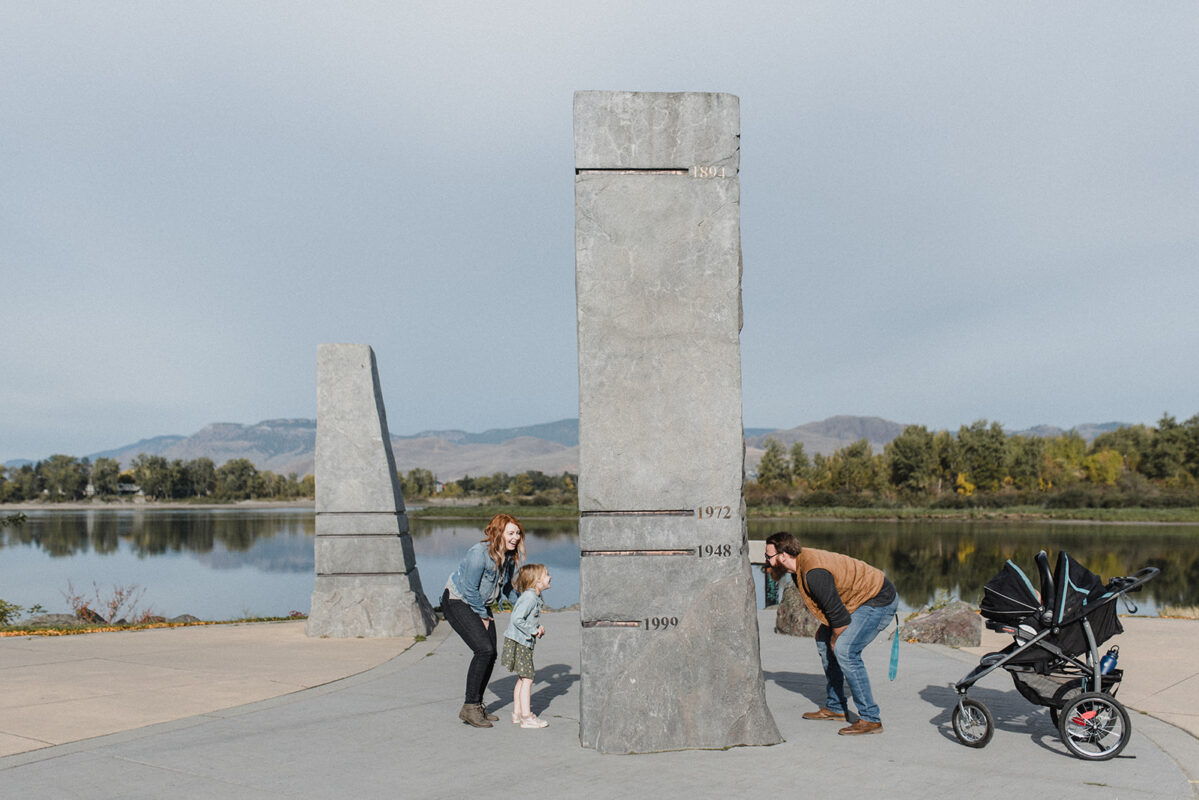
(793, 618)
(670, 655)
(957, 625)
(367, 583)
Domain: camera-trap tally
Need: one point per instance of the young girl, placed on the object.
(523, 632)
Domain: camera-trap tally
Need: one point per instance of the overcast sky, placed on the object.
(950, 211)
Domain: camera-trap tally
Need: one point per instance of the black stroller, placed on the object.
(1054, 656)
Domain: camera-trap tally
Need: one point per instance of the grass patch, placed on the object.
(83, 627)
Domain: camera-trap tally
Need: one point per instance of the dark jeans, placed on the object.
(481, 640)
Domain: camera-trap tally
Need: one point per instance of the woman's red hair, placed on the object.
(495, 539)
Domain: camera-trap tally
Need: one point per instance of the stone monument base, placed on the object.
(369, 606)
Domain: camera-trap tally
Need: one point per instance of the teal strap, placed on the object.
(891, 673)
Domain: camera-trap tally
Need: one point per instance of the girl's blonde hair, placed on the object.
(495, 539)
(529, 575)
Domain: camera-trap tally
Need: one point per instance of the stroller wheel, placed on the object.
(1068, 692)
(1094, 726)
(972, 723)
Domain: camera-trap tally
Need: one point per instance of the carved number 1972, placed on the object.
(715, 512)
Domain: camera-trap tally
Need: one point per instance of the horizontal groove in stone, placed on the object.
(610, 623)
(361, 513)
(690, 551)
(632, 171)
(663, 512)
(360, 535)
(359, 574)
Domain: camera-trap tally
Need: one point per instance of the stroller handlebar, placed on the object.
(1133, 583)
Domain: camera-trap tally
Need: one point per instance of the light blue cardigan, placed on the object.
(526, 618)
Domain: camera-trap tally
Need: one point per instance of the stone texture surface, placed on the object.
(659, 320)
(656, 130)
(670, 649)
(957, 625)
(794, 618)
(367, 583)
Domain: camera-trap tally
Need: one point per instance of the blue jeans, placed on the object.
(846, 666)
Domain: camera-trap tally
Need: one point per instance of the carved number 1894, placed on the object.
(707, 172)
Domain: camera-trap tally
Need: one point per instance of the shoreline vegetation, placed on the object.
(1135, 473)
(483, 510)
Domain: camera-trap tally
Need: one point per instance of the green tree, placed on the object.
(1063, 459)
(106, 475)
(945, 447)
(854, 467)
(1025, 457)
(522, 484)
(980, 454)
(773, 469)
(151, 474)
(64, 478)
(911, 460)
(24, 483)
(202, 473)
(801, 465)
(1166, 458)
(1131, 441)
(418, 483)
(1103, 467)
(235, 479)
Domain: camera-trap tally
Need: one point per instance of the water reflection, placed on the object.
(227, 561)
(923, 558)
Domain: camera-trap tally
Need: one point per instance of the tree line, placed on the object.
(981, 465)
(532, 487)
(66, 478)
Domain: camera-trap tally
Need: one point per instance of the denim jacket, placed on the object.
(476, 578)
(526, 615)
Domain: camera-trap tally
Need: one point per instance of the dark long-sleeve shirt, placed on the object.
(823, 590)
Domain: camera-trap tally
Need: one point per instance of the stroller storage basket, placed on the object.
(1055, 689)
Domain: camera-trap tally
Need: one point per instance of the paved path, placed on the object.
(392, 732)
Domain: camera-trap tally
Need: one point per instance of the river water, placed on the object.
(233, 563)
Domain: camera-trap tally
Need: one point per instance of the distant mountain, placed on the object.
(151, 447)
(830, 435)
(279, 445)
(1089, 432)
(288, 445)
(564, 432)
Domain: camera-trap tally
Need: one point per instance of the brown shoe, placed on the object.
(487, 714)
(824, 713)
(472, 714)
(860, 727)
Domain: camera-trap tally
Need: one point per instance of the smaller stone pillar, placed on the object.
(366, 578)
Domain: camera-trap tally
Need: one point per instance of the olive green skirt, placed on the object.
(517, 658)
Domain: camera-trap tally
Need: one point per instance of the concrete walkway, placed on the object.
(392, 731)
(58, 689)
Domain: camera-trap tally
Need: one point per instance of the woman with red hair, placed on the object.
(484, 574)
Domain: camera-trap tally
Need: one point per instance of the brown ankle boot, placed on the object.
(487, 715)
(472, 714)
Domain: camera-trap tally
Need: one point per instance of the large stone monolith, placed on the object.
(366, 578)
(670, 652)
